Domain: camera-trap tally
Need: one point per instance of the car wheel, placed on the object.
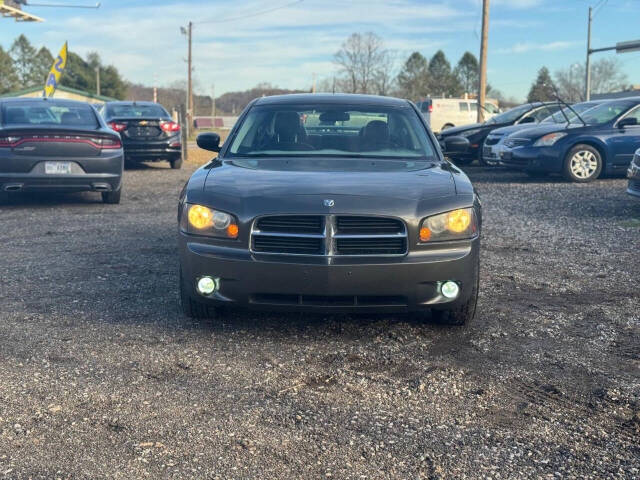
(193, 308)
(583, 164)
(463, 161)
(464, 313)
(112, 197)
(176, 164)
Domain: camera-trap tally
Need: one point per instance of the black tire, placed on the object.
(464, 313)
(463, 160)
(582, 164)
(112, 197)
(176, 163)
(193, 308)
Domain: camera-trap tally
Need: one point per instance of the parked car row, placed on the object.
(581, 141)
(63, 145)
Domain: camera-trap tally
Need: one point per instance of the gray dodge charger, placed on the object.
(57, 145)
(330, 203)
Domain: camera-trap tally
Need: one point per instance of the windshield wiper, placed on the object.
(555, 94)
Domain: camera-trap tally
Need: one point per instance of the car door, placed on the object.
(625, 141)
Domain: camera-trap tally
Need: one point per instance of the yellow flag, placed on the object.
(56, 72)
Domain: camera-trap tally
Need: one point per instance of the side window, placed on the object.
(464, 106)
(474, 107)
(634, 114)
(540, 114)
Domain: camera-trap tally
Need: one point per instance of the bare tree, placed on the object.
(606, 76)
(365, 65)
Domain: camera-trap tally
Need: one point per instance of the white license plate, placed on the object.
(57, 168)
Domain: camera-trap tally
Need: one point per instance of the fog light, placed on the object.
(449, 289)
(207, 285)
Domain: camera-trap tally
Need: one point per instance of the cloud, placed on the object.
(537, 47)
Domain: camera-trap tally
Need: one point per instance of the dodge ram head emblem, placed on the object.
(328, 202)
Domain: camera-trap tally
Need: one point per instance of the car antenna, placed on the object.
(555, 94)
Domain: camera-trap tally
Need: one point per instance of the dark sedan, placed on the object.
(600, 141)
(330, 202)
(57, 145)
(633, 174)
(476, 133)
(148, 132)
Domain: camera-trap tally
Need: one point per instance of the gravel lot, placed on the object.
(102, 377)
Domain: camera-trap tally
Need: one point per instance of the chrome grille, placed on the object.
(329, 235)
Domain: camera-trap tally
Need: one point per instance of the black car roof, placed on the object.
(331, 98)
(36, 100)
(131, 102)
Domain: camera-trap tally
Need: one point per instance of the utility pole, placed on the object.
(97, 80)
(313, 84)
(484, 42)
(189, 83)
(213, 99)
(587, 82)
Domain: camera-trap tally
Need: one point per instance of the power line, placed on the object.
(242, 17)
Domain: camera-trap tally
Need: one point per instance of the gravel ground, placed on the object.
(102, 377)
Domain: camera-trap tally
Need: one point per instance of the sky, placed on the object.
(236, 45)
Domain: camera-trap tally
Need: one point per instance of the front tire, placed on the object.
(194, 308)
(113, 197)
(583, 164)
(176, 164)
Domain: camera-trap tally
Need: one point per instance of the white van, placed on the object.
(443, 113)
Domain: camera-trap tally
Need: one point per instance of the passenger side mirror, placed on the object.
(209, 141)
(528, 120)
(454, 145)
(627, 122)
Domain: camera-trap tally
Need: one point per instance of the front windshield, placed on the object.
(332, 131)
(561, 115)
(606, 112)
(510, 115)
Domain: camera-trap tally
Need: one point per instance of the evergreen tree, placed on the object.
(413, 79)
(542, 89)
(23, 55)
(42, 63)
(442, 80)
(9, 80)
(467, 72)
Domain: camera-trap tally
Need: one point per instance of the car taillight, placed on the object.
(118, 127)
(169, 126)
(431, 108)
(9, 141)
(111, 143)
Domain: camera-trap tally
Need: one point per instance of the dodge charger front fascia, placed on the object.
(424, 252)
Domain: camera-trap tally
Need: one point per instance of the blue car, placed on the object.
(599, 141)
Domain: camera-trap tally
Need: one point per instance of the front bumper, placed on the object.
(491, 154)
(538, 159)
(633, 174)
(281, 282)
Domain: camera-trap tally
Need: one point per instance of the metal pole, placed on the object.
(98, 80)
(483, 59)
(189, 115)
(587, 83)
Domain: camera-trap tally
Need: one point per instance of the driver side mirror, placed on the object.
(528, 120)
(209, 141)
(454, 144)
(627, 122)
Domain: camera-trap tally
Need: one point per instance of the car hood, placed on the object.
(296, 185)
(463, 128)
(543, 129)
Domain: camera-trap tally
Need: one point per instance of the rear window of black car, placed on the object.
(48, 114)
(136, 111)
(332, 131)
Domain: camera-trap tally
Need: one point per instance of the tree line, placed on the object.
(24, 66)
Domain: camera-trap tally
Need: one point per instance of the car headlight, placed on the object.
(453, 225)
(201, 220)
(549, 139)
